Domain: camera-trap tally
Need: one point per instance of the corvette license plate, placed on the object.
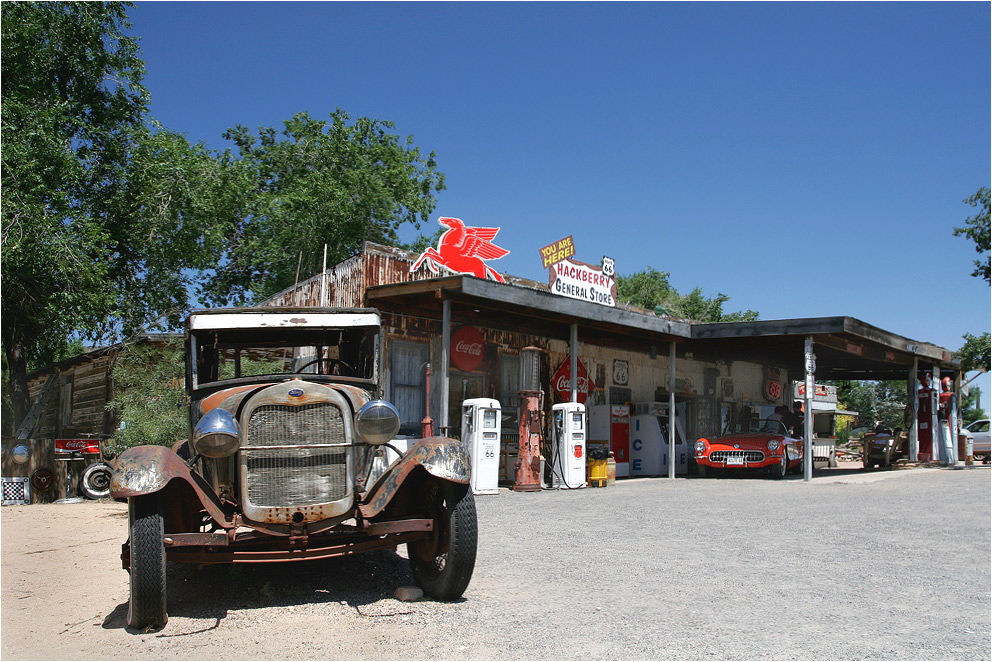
(735, 460)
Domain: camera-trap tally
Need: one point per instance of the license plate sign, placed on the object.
(731, 461)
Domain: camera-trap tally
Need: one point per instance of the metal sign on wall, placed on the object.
(561, 381)
(578, 280)
(467, 345)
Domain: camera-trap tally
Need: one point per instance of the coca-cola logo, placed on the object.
(561, 381)
(564, 384)
(467, 348)
(77, 445)
(473, 348)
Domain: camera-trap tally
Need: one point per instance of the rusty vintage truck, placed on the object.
(286, 427)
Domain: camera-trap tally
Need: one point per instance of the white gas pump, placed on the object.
(568, 447)
(480, 435)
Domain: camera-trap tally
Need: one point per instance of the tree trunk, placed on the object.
(17, 385)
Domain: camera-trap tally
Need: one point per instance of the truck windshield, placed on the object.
(235, 353)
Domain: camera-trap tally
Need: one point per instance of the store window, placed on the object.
(509, 396)
(407, 384)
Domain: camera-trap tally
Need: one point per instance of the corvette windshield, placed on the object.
(755, 425)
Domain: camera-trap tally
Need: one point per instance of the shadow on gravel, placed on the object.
(208, 593)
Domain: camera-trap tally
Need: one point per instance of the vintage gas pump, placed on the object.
(480, 434)
(566, 467)
(528, 467)
(926, 415)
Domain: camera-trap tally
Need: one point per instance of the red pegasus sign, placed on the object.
(463, 250)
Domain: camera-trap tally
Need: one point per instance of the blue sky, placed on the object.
(805, 159)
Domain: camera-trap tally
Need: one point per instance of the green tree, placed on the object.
(651, 289)
(149, 396)
(976, 353)
(316, 182)
(881, 402)
(104, 212)
(976, 228)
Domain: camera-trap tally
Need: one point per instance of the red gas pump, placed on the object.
(924, 418)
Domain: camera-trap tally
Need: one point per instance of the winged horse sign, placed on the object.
(463, 250)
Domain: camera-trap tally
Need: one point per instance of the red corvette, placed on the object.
(758, 444)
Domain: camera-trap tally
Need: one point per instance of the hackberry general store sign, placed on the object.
(586, 282)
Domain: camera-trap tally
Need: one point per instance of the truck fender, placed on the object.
(442, 457)
(146, 470)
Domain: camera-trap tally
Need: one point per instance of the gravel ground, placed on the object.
(886, 565)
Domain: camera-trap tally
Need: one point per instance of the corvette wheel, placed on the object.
(782, 468)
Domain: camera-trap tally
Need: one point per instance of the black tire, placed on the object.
(146, 609)
(781, 470)
(95, 481)
(442, 565)
(703, 470)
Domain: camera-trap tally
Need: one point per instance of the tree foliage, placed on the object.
(976, 228)
(106, 215)
(316, 182)
(149, 396)
(651, 289)
(882, 402)
(976, 353)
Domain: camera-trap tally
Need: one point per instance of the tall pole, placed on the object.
(671, 409)
(445, 358)
(914, 403)
(810, 363)
(574, 361)
(323, 280)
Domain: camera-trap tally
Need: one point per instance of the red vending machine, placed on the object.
(611, 423)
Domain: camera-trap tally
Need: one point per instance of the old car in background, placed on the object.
(978, 432)
(751, 444)
(281, 462)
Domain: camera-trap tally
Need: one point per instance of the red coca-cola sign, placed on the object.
(561, 381)
(467, 347)
(88, 446)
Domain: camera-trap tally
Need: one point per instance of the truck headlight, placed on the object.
(216, 434)
(773, 445)
(700, 447)
(377, 422)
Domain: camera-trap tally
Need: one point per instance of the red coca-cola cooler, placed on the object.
(611, 424)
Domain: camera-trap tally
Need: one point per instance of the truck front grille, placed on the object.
(293, 477)
(749, 456)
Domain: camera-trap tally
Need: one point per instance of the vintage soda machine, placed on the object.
(611, 423)
(565, 468)
(649, 441)
(480, 435)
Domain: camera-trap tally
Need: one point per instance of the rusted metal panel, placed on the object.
(272, 550)
(148, 469)
(196, 539)
(400, 526)
(440, 456)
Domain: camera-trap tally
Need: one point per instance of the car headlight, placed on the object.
(216, 434)
(377, 422)
(700, 447)
(773, 445)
